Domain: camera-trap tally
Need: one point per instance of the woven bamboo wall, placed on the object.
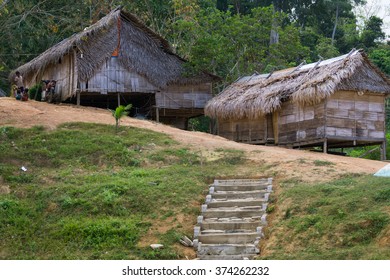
(184, 96)
(358, 116)
(113, 77)
(247, 131)
(300, 123)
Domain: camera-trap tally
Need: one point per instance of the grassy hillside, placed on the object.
(91, 193)
(348, 218)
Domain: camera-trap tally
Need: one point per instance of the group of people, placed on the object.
(21, 93)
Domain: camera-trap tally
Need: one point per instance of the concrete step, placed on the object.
(215, 203)
(227, 249)
(230, 225)
(251, 187)
(239, 195)
(223, 231)
(243, 181)
(228, 257)
(229, 238)
(229, 212)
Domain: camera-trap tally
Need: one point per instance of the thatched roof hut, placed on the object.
(335, 103)
(258, 95)
(119, 59)
(142, 49)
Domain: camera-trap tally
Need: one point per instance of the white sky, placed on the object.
(380, 8)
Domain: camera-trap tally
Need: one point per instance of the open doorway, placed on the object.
(143, 103)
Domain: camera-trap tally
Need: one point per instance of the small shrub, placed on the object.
(308, 222)
(270, 209)
(322, 163)
(35, 92)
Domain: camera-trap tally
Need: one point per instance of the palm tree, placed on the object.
(119, 112)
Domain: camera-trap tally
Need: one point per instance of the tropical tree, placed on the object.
(372, 32)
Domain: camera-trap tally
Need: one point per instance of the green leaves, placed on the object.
(120, 112)
(233, 44)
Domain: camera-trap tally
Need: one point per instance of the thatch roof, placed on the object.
(141, 50)
(257, 95)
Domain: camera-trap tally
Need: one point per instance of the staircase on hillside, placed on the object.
(230, 226)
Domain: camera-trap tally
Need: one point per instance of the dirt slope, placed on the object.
(286, 163)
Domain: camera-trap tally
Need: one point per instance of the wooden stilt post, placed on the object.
(157, 115)
(78, 97)
(325, 147)
(383, 150)
(119, 99)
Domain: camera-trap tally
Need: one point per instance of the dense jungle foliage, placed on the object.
(230, 38)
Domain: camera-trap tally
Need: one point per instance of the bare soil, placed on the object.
(286, 163)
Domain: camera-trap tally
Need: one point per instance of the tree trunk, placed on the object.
(274, 36)
(335, 23)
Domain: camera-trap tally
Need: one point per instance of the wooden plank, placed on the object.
(361, 132)
(375, 107)
(361, 124)
(330, 131)
(332, 104)
(370, 125)
(344, 132)
(309, 114)
(379, 125)
(288, 127)
(346, 104)
(275, 117)
(376, 134)
(337, 113)
(307, 124)
(359, 115)
(362, 106)
(320, 131)
(340, 123)
(319, 113)
(376, 98)
(301, 135)
(372, 116)
(290, 119)
(364, 98)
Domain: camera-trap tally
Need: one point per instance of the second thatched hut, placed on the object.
(335, 103)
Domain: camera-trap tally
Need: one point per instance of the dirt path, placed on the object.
(286, 162)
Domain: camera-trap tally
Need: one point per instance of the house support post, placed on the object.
(119, 99)
(383, 150)
(325, 147)
(157, 114)
(78, 98)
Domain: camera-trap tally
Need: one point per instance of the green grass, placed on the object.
(91, 193)
(344, 219)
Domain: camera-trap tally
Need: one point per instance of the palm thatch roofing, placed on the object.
(140, 50)
(257, 95)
